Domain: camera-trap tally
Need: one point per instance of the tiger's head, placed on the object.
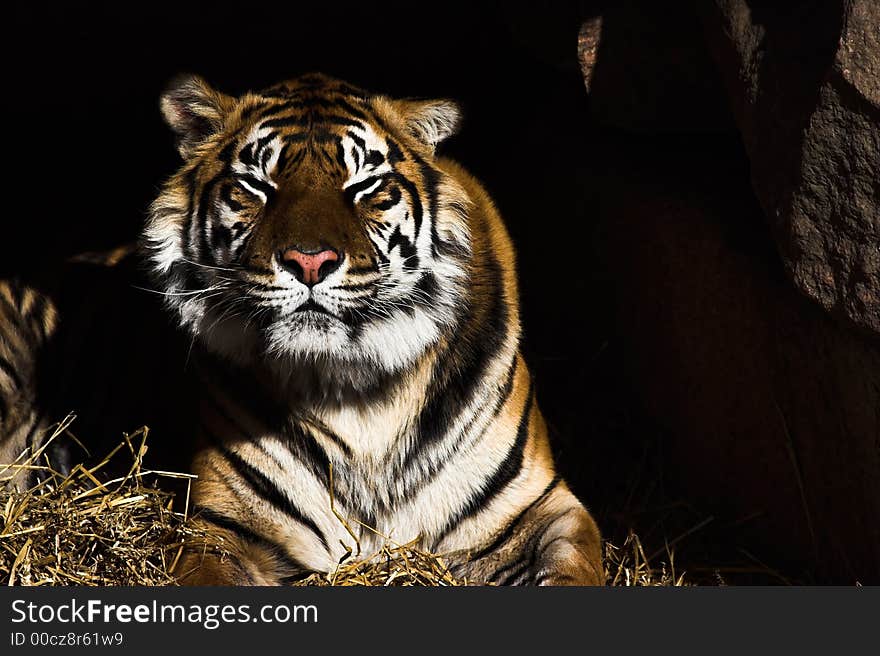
(310, 223)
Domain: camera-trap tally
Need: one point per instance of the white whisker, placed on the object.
(186, 292)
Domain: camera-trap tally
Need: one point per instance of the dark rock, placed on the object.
(772, 407)
(804, 85)
(731, 280)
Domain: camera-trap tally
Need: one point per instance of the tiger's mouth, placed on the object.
(311, 305)
(312, 314)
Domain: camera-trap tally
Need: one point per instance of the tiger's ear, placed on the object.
(193, 110)
(429, 121)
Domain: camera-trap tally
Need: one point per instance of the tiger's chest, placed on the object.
(366, 449)
(340, 467)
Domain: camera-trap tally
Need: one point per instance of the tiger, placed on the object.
(351, 306)
(28, 320)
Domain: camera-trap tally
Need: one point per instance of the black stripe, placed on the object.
(458, 375)
(249, 110)
(432, 185)
(349, 90)
(279, 108)
(357, 187)
(16, 290)
(182, 275)
(395, 154)
(265, 487)
(206, 254)
(239, 431)
(241, 248)
(11, 309)
(267, 189)
(230, 524)
(275, 92)
(330, 159)
(503, 474)
(264, 160)
(221, 237)
(246, 155)
(14, 317)
(296, 138)
(329, 434)
(415, 201)
(37, 315)
(317, 101)
(190, 183)
(262, 142)
(355, 288)
(510, 529)
(321, 136)
(351, 109)
(408, 249)
(225, 154)
(374, 158)
(360, 143)
(295, 159)
(507, 387)
(226, 197)
(308, 451)
(379, 254)
(340, 155)
(7, 368)
(434, 469)
(524, 566)
(361, 271)
(282, 157)
(392, 200)
(307, 120)
(337, 119)
(286, 122)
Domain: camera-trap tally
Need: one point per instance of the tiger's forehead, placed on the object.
(287, 123)
(315, 84)
(312, 106)
(337, 133)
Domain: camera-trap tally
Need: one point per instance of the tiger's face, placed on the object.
(311, 224)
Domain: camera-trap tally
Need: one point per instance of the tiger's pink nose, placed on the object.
(310, 268)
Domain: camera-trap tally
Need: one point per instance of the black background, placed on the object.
(90, 148)
(87, 149)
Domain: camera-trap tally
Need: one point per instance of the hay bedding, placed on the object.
(78, 529)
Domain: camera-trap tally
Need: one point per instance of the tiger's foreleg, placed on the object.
(228, 546)
(234, 560)
(554, 541)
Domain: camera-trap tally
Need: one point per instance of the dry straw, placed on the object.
(79, 529)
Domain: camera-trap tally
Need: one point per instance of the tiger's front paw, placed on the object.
(570, 551)
(566, 563)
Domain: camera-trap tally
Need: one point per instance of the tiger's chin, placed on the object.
(333, 356)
